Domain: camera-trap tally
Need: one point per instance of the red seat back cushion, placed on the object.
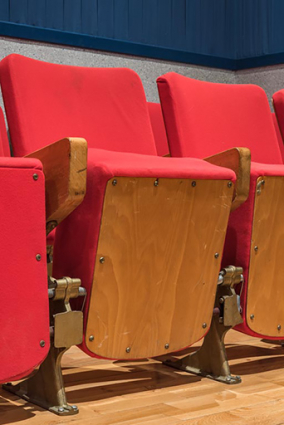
(24, 319)
(158, 128)
(45, 102)
(204, 118)
(278, 133)
(4, 143)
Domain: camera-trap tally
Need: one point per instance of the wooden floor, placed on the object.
(150, 393)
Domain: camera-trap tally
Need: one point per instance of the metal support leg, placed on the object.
(211, 359)
(46, 387)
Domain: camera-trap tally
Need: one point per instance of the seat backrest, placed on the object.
(158, 128)
(204, 118)
(46, 102)
(278, 133)
(4, 143)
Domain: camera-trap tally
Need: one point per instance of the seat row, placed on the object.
(151, 253)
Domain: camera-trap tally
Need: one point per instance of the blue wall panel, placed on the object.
(221, 33)
(54, 14)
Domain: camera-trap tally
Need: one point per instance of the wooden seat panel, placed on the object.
(265, 299)
(153, 291)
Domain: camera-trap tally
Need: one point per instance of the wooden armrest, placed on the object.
(238, 160)
(65, 169)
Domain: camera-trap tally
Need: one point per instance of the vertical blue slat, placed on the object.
(18, 11)
(72, 15)
(135, 29)
(150, 21)
(121, 19)
(193, 26)
(90, 17)
(164, 22)
(4, 10)
(106, 18)
(178, 24)
(36, 13)
(54, 18)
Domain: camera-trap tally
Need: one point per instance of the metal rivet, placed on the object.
(263, 182)
(228, 378)
(102, 260)
(91, 338)
(74, 407)
(61, 409)
(42, 343)
(204, 325)
(256, 248)
(216, 255)
(221, 300)
(128, 349)
(221, 319)
(193, 184)
(114, 182)
(156, 182)
(279, 327)
(38, 257)
(230, 184)
(167, 346)
(35, 176)
(252, 316)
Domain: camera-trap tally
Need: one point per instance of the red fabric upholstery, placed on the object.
(45, 102)
(205, 118)
(23, 278)
(4, 143)
(278, 103)
(77, 236)
(158, 128)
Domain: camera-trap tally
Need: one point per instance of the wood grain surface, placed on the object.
(155, 291)
(265, 300)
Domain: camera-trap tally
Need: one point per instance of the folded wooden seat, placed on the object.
(203, 119)
(147, 240)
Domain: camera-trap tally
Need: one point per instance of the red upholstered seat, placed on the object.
(202, 119)
(24, 319)
(45, 102)
(158, 128)
(278, 117)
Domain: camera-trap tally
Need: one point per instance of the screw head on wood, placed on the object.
(279, 327)
(91, 338)
(252, 316)
(230, 184)
(256, 248)
(167, 346)
(193, 184)
(156, 182)
(114, 182)
(216, 255)
(128, 349)
(204, 325)
(102, 260)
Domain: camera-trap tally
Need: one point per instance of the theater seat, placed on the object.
(147, 239)
(204, 118)
(278, 117)
(24, 335)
